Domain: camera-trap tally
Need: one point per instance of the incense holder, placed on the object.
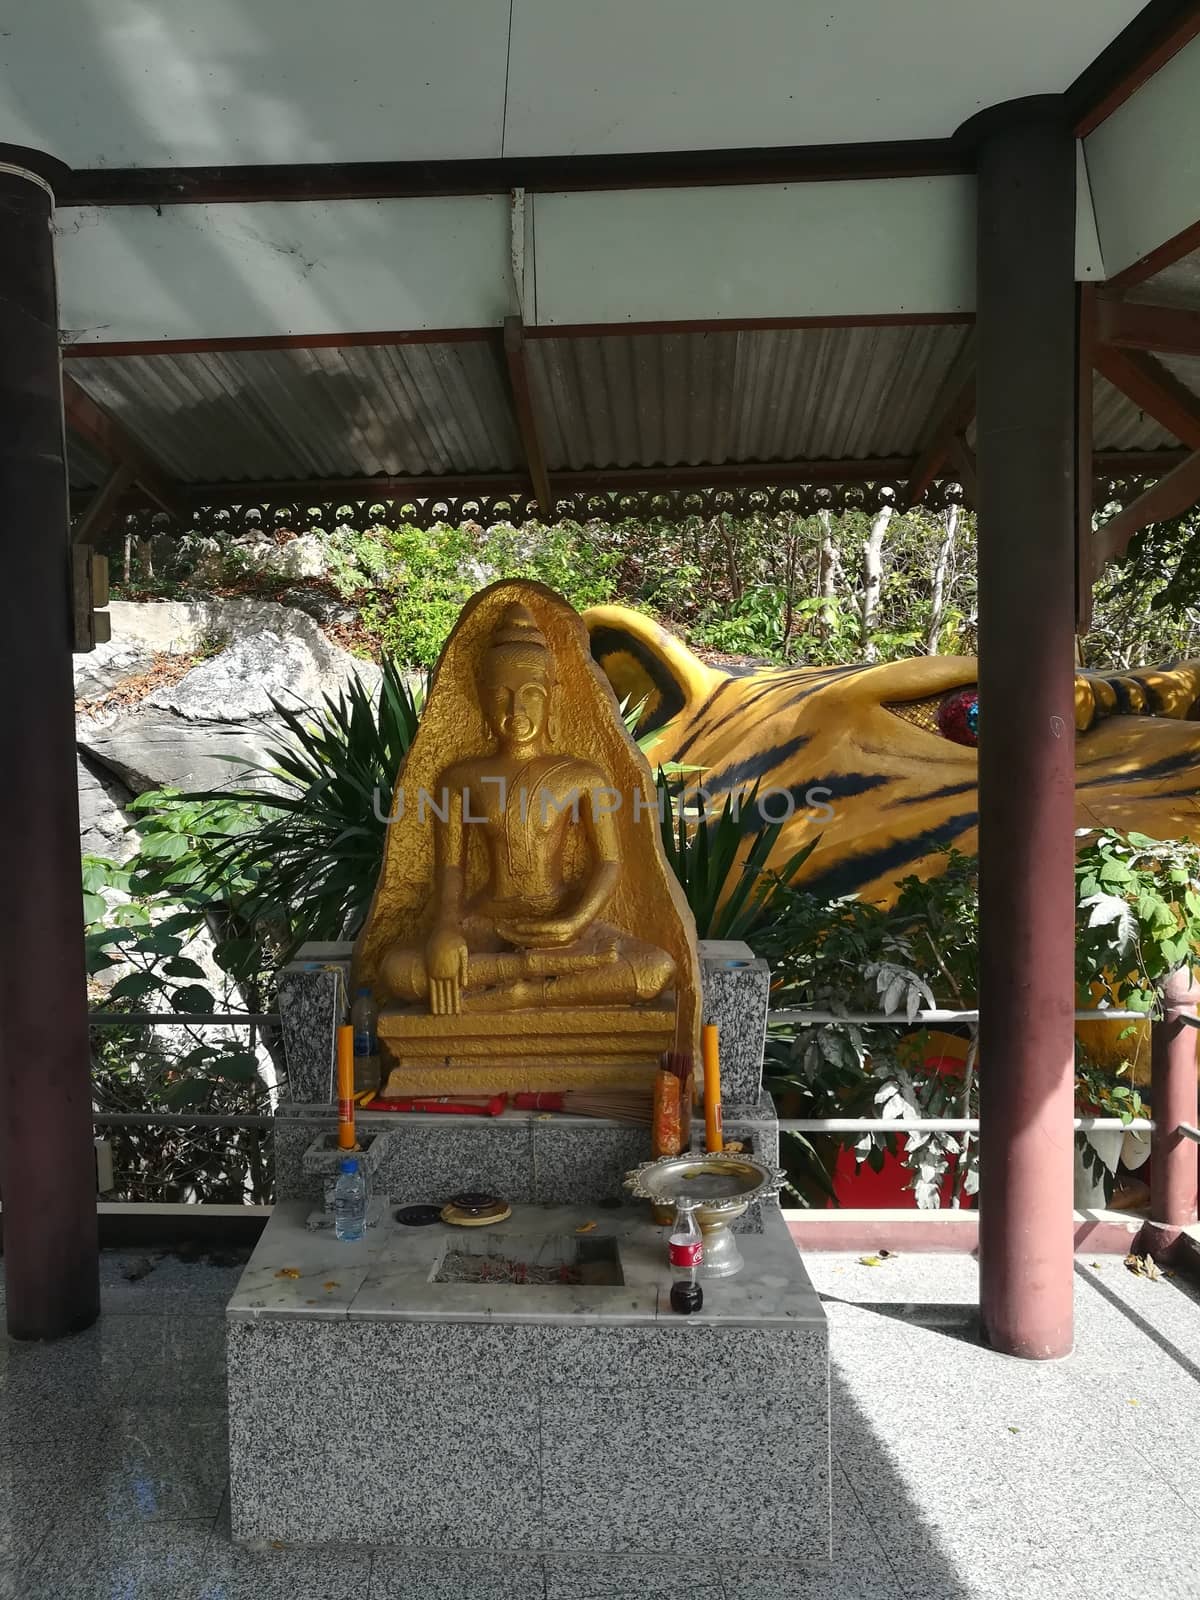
(723, 1185)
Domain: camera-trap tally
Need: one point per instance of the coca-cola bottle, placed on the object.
(686, 1249)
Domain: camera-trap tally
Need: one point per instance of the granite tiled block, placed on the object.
(234, 1574)
(541, 1400)
(165, 1560)
(426, 1159)
(430, 1158)
(442, 1575)
(755, 1125)
(641, 1577)
(577, 1159)
(735, 988)
(291, 1136)
(456, 1406)
(738, 1451)
(323, 1159)
(717, 1360)
(312, 1002)
(160, 1464)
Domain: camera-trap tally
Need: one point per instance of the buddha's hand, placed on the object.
(446, 964)
(539, 933)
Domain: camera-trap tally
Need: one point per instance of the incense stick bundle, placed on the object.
(672, 1124)
(618, 1105)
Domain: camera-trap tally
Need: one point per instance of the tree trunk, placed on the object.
(791, 573)
(872, 577)
(128, 554)
(941, 567)
(729, 543)
(828, 571)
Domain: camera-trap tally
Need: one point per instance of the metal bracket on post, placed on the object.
(90, 621)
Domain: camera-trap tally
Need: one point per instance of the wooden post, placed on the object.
(46, 1156)
(1026, 461)
(1173, 1099)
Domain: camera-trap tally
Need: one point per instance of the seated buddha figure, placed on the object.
(541, 940)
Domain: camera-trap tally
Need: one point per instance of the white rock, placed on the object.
(102, 819)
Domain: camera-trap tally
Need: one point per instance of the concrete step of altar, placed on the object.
(528, 1157)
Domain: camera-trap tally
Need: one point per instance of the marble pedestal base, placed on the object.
(527, 1156)
(484, 1424)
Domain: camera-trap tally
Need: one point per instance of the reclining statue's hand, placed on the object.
(446, 964)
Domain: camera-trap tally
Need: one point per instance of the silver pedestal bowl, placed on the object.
(722, 1185)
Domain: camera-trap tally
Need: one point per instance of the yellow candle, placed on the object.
(710, 1051)
(345, 1080)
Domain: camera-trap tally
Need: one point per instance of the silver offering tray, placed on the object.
(723, 1185)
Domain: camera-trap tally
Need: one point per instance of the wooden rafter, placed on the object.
(949, 416)
(1168, 330)
(109, 439)
(527, 424)
(1153, 390)
(1170, 497)
(102, 507)
(962, 459)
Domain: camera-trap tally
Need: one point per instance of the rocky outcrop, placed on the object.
(203, 728)
(102, 817)
(155, 750)
(295, 668)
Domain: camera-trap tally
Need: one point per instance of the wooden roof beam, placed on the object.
(962, 460)
(109, 439)
(1153, 390)
(949, 416)
(1170, 497)
(1168, 330)
(527, 424)
(103, 505)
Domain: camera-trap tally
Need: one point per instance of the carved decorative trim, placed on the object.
(673, 505)
(606, 506)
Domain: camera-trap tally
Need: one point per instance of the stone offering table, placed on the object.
(511, 1425)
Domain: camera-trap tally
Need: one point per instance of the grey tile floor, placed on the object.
(958, 1475)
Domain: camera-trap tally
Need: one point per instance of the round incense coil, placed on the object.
(458, 1218)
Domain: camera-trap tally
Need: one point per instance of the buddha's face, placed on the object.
(516, 694)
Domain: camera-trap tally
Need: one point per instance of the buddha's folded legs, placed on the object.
(594, 971)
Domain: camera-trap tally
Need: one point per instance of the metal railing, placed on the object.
(181, 1019)
(926, 1017)
(787, 1018)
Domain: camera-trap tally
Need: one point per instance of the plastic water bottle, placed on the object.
(350, 1202)
(364, 1016)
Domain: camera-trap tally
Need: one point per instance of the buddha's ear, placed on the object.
(553, 725)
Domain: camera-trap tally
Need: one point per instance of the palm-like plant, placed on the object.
(315, 844)
(721, 863)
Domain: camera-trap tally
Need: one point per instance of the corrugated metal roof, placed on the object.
(651, 399)
(614, 401)
(85, 470)
(1119, 424)
(1176, 285)
(361, 411)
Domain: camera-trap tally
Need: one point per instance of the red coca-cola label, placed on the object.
(685, 1252)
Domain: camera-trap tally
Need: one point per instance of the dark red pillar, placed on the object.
(46, 1161)
(1173, 1097)
(1026, 333)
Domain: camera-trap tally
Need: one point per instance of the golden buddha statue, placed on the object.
(526, 927)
